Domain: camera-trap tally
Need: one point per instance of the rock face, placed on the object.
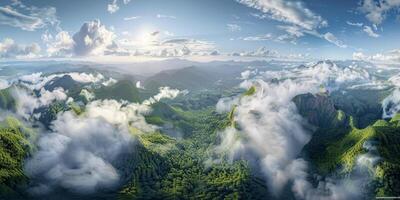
(319, 110)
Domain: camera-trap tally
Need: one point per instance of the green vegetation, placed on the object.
(167, 116)
(49, 113)
(167, 168)
(14, 148)
(6, 100)
(320, 111)
(250, 91)
(122, 90)
(338, 149)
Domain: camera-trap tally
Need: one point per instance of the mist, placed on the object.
(270, 126)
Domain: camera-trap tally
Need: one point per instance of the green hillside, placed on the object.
(122, 90)
(14, 148)
(7, 102)
(319, 110)
(191, 78)
(178, 170)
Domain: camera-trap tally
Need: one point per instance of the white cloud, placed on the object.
(92, 39)
(86, 77)
(27, 101)
(28, 18)
(332, 39)
(354, 24)
(4, 84)
(112, 7)
(260, 52)
(263, 52)
(392, 56)
(89, 96)
(109, 82)
(370, 32)
(46, 97)
(376, 11)
(164, 93)
(77, 155)
(272, 130)
(391, 104)
(299, 19)
(139, 85)
(61, 45)
(264, 37)
(95, 39)
(37, 81)
(10, 49)
(234, 27)
(295, 13)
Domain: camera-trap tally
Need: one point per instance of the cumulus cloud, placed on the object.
(109, 82)
(376, 11)
(273, 132)
(60, 45)
(89, 96)
(10, 49)
(332, 39)
(370, 32)
(248, 74)
(27, 101)
(36, 81)
(260, 52)
(139, 85)
(392, 56)
(86, 77)
(263, 52)
(80, 153)
(28, 18)
(391, 104)
(77, 155)
(92, 39)
(177, 47)
(165, 93)
(112, 7)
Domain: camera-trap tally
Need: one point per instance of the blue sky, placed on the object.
(334, 29)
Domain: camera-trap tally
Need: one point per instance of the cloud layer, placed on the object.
(271, 129)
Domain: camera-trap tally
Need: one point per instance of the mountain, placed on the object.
(14, 148)
(319, 110)
(7, 102)
(364, 105)
(66, 82)
(191, 78)
(196, 78)
(122, 90)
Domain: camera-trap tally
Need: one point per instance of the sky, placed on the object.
(127, 30)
